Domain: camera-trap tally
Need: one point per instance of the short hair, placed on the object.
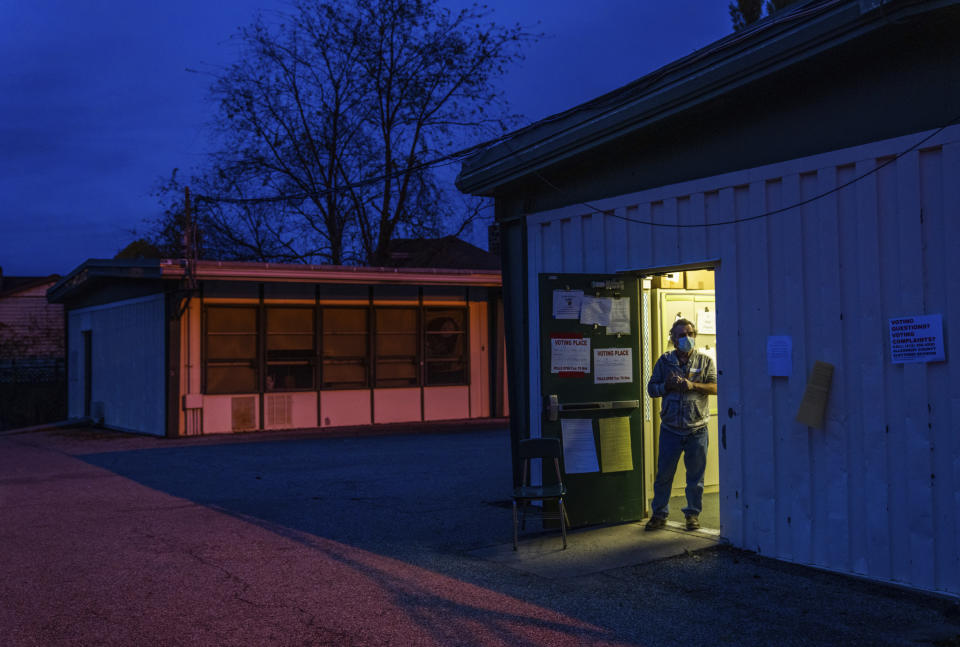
(683, 322)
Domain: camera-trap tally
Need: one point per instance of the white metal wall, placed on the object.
(128, 363)
(877, 491)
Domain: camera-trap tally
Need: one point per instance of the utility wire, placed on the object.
(607, 101)
(765, 214)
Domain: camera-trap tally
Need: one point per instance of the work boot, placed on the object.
(656, 523)
(693, 522)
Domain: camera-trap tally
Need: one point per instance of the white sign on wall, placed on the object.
(569, 353)
(612, 365)
(916, 339)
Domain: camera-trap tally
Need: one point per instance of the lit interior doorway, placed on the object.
(688, 294)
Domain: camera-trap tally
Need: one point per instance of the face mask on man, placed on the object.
(685, 344)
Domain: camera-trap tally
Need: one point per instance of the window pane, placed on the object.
(446, 346)
(394, 373)
(344, 374)
(396, 347)
(396, 320)
(231, 346)
(290, 342)
(231, 379)
(394, 344)
(439, 373)
(445, 320)
(344, 320)
(231, 320)
(290, 320)
(344, 345)
(289, 376)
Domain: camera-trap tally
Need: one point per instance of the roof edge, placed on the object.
(799, 32)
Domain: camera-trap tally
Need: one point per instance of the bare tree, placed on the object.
(329, 126)
(747, 12)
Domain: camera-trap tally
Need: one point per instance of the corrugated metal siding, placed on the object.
(128, 362)
(35, 325)
(876, 492)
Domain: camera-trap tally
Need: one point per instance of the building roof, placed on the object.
(799, 32)
(10, 285)
(96, 272)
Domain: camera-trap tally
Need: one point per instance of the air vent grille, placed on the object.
(279, 410)
(243, 413)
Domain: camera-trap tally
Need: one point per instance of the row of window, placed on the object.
(295, 348)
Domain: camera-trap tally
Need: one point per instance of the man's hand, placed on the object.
(676, 383)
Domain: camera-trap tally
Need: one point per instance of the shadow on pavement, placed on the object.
(417, 513)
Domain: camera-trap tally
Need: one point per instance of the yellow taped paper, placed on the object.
(813, 407)
(616, 452)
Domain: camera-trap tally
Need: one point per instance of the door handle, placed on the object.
(599, 406)
(553, 408)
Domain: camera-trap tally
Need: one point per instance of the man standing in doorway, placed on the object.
(684, 379)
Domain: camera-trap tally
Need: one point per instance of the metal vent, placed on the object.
(243, 413)
(279, 410)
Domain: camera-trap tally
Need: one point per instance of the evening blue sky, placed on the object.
(101, 99)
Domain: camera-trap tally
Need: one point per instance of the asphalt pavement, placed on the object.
(400, 539)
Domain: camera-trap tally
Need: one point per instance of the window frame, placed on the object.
(367, 359)
(417, 308)
(465, 332)
(317, 358)
(255, 363)
(311, 360)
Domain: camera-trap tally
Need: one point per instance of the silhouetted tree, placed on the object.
(140, 248)
(327, 124)
(747, 12)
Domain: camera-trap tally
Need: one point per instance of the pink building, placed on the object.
(236, 347)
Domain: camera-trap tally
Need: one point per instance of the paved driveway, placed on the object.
(310, 540)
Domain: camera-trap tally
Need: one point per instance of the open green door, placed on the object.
(592, 392)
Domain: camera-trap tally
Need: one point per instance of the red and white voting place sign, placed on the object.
(569, 354)
(612, 365)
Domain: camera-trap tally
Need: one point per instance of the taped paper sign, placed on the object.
(916, 339)
(779, 356)
(619, 317)
(595, 310)
(579, 450)
(706, 322)
(616, 452)
(612, 365)
(569, 353)
(566, 304)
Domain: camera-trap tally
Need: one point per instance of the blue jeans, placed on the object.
(694, 449)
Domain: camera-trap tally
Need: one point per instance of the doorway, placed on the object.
(687, 294)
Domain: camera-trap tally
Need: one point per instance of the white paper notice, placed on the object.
(612, 365)
(780, 355)
(709, 352)
(566, 304)
(596, 310)
(569, 354)
(619, 317)
(706, 322)
(916, 339)
(579, 450)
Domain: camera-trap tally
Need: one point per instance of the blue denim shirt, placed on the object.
(688, 411)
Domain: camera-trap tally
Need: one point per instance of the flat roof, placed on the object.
(101, 270)
(343, 274)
